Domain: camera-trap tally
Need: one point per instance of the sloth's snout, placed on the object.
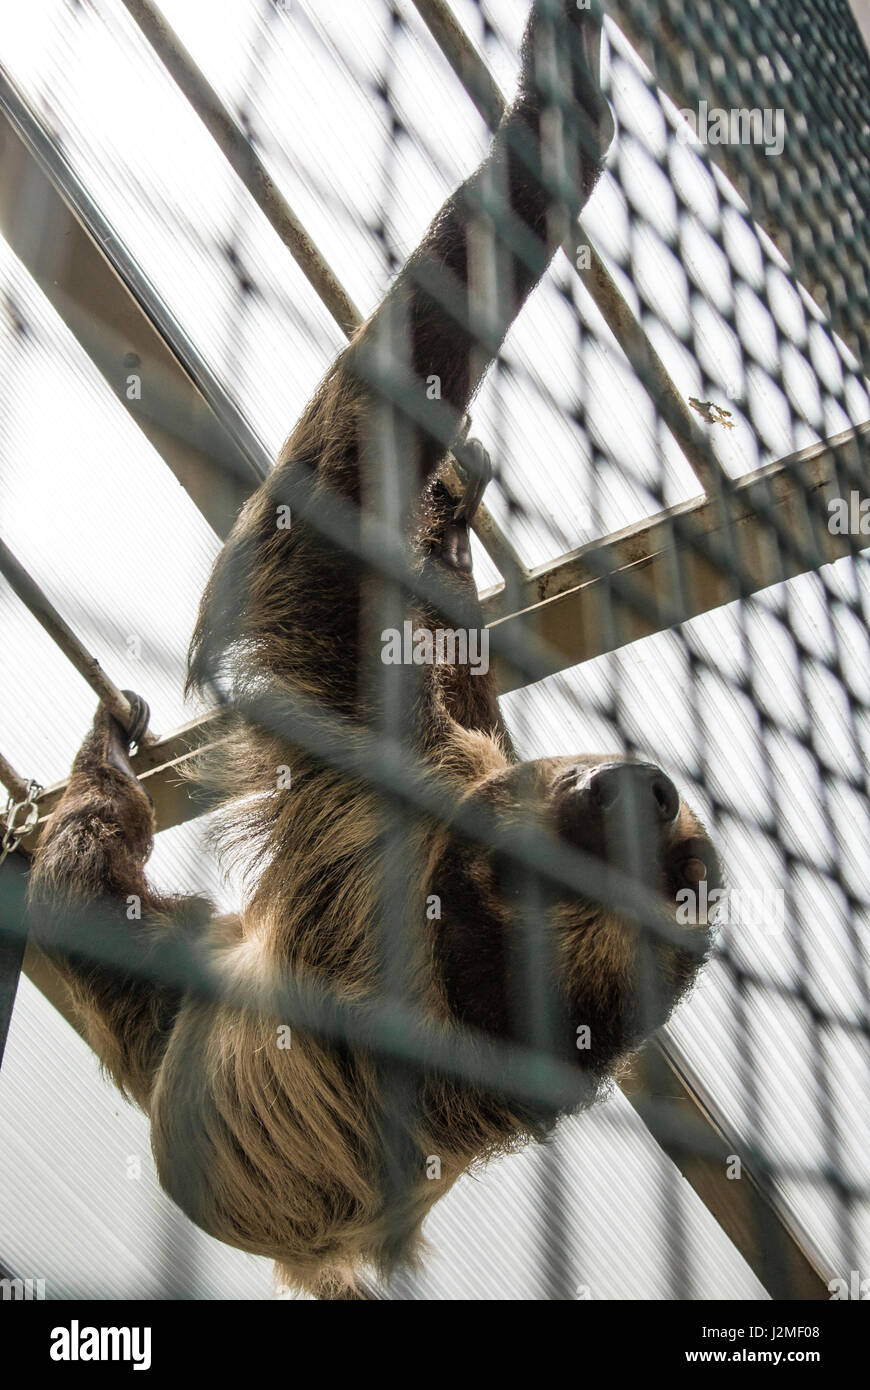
(642, 787)
(587, 799)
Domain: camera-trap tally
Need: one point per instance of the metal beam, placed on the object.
(686, 561)
(62, 239)
(687, 1124)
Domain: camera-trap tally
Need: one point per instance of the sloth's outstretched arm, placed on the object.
(450, 308)
(89, 873)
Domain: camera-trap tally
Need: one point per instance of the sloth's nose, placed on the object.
(643, 786)
(613, 804)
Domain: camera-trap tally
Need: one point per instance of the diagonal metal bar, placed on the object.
(59, 630)
(15, 784)
(663, 1091)
(240, 153)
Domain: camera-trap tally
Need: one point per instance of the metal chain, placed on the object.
(14, 833)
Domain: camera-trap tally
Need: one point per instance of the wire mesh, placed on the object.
(730, 223)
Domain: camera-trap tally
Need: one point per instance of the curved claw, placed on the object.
(140, 715)
(455, 547)
(120, 739)
(476, 465)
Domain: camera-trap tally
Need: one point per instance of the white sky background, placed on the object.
(98, 519)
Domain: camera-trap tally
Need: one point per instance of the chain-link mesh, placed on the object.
(702, 329)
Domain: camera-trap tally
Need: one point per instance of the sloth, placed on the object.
(320, 1154)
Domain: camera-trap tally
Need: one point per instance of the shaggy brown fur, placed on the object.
(281, 1150)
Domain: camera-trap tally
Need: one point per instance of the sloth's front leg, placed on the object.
(90, 865)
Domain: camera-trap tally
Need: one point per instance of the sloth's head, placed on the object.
(613, 974)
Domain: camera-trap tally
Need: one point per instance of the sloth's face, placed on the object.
(615, 965)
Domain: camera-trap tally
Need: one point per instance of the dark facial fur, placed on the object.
(617, 974)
